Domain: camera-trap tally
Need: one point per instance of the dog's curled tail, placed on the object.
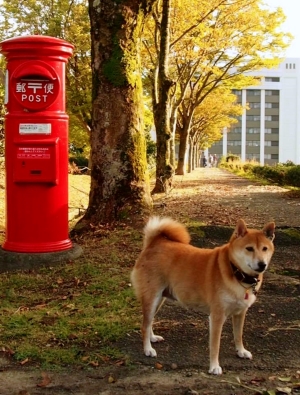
(165, 227)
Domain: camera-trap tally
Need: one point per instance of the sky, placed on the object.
(291, 9)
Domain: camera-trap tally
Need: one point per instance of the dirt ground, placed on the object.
(272, 329)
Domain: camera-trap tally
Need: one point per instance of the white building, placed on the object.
(269, 131)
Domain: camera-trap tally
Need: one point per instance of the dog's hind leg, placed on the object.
(160, 305)
(150, 308)
(238, 325)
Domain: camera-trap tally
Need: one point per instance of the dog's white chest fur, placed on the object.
(236, 303)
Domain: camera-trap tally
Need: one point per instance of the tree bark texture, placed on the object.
(161, 110)
(119, 180)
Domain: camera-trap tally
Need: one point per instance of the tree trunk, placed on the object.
(190, 157)
(161, 110)
(119, 180)
(184, 131)
(183, 138)
(173, 121)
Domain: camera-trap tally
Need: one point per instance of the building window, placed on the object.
(272, 130)
(237, 130)
(272, 79)
(253, 92)
(274, 156)
(237, 92)
(271, 105)
(234, 143)
(254, 105)
(216, 143)
(252, 143)
(253, 130)
(269, 92)
(252, 157)
(253, 117)
(290, 66)
(272, 118)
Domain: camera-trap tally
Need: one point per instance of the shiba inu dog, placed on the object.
(222, 282)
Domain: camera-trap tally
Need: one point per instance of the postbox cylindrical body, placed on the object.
(36, 144)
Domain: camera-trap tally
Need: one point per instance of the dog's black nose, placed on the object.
(261, 266)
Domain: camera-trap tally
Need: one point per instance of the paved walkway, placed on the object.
(217, 197)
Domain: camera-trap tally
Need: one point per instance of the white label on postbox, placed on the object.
(35, 128)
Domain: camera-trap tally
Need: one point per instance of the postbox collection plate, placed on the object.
(36, 161)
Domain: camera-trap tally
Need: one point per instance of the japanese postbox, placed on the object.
(36, 144)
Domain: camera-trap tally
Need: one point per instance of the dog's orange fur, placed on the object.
(169, 266)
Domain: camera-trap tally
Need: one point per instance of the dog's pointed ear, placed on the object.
(240, 229)
(269, 230)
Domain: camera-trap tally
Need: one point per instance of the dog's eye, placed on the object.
(265, 248)
(250, 249)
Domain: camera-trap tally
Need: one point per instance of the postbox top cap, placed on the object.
(38, 42)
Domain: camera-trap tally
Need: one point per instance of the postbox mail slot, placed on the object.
(35, 85)
(36, 161)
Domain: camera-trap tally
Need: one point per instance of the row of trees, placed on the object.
(178, 59)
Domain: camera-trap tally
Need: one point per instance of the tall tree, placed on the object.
(119, 183)
(237, 37)
(218, 111)
(161, 105)
(216, 42)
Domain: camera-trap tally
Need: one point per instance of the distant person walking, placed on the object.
(215, 160)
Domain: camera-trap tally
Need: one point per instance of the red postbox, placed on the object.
(36, 144)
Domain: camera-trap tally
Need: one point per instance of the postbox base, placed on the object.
(11, 261)
(37, 247)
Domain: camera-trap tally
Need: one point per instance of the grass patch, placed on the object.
(292, 232)
(73, 313)
(195, 228)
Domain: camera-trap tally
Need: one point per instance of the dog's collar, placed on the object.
(244, 277)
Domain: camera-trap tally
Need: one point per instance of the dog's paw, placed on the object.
(215, 370)
(150, 352)
(156, 339)
(243, 353)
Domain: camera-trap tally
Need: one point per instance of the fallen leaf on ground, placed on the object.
(46, 380)
(285, 390)
(24, 361)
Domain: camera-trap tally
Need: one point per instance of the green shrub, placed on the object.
(80, 161)
(248, 167)
(270, 173)
(292, 176)
(232, 158)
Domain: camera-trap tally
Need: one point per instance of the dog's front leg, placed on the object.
(216, 322)
(238, 325)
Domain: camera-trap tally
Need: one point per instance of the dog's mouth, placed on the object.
(261, 267)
